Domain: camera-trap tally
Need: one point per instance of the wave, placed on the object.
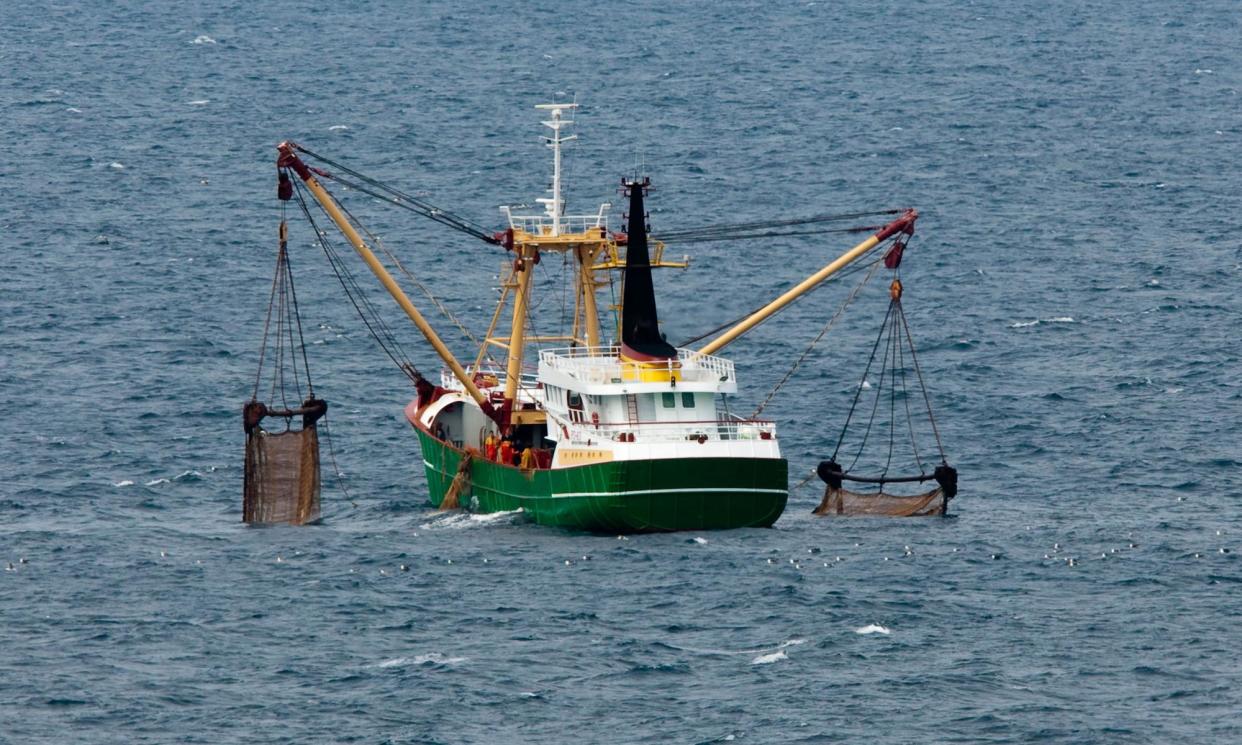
(777, 654)
(1039, 321)
(873, 628)
(767, 659)
(461, 520)
(432, 658)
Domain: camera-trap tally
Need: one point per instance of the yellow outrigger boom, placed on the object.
(903, 224)
(289, 159)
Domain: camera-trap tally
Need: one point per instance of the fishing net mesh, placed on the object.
(282, 477)
(846, 502)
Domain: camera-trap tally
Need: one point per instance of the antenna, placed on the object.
(555, 204)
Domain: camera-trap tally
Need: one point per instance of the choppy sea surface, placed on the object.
(1073, 288)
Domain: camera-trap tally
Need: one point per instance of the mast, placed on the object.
(289, 159)
(555, 204)
(523, 268)
(903, 224)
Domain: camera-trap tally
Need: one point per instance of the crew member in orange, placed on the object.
(489, 446)
(506, 452)
(528, 459)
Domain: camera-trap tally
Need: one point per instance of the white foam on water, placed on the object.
(775, 655)
(203, 39)
(873, 628)
(117, 166)
(460, 520)
(767, 659)
(154, 482)
(337, 127)
(700, 540)
(200, 102)
(126, 482)
(1027, 324)
(73, 110)
(433, 658)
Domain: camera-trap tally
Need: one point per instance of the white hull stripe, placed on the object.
(571, 495)
(729, 489)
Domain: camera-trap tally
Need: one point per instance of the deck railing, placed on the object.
(542, 224)
(604, 365)
(720, 429)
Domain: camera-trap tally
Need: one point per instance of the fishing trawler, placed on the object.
(625, 435)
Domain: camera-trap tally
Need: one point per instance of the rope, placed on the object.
(875, 407)
(375, 239)
(803, 482)
(892, 394)
(401, 199)
(859, 390)
(712, 237)
(271, 302)
(383, 336)
(732, 228)
(926, 399)
(336, 469)
(905, 397)
(849, 273)
(827, 327)
(297, 316)
(893, 332)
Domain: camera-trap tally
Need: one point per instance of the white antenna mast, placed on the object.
(555, 205)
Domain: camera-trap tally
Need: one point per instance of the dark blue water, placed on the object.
(1073, 288)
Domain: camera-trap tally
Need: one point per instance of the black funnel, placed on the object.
(640, 329)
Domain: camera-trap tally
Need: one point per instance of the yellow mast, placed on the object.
(905, 223)
(289, 159)
(524, 268)
(586, 290)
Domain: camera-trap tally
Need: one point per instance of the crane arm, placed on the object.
(903, 224)
(289, 159)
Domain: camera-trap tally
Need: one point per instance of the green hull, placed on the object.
(621, 496)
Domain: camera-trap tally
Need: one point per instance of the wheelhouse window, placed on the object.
(669, 400)
(687, 400)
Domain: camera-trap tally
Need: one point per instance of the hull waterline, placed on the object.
(621, 496)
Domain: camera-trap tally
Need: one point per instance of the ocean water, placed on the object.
(1073, 288)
